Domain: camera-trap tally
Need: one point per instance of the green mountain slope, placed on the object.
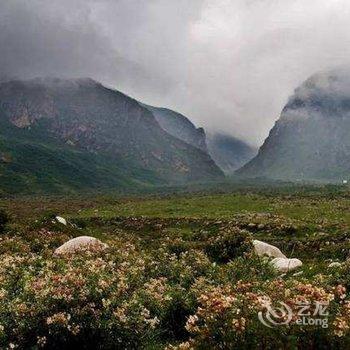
(33, 164)
(58, 135)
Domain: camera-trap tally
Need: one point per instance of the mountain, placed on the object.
(228, 152)
(311, 139)
(179, 126)
(67, 135)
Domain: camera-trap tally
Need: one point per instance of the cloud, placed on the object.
(228, 65)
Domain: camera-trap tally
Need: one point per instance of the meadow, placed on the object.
(179, 272)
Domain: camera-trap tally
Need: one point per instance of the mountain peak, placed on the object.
(311, 140)
(326, 93)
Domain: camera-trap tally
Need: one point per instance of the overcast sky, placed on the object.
(229, 65)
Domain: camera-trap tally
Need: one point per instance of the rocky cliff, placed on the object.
(311, 139)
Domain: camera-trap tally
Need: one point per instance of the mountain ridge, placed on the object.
(99, 121)
(227, 151)
(311, 139)
(180, 126)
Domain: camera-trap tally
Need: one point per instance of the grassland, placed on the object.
(168, 258)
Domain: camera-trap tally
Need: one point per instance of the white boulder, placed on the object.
(80, 243)
(334, 264)
(262, 248)
(286, 265)
(61, 220)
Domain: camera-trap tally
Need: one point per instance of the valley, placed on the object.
(174, 175)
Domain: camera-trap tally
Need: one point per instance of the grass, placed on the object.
(311, 212)
(292, 219)
(225, 206)
(184, 244)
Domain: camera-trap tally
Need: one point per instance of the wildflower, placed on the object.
(74, 329)
(183, 346)
(191, 324)
(340, 291)
(239, 324)
(41, 341)
(106, 303)
(341, 326)
(60, 318)
(153, 322)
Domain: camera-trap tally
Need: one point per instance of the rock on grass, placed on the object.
(80, 243)
(286, 265)
(262, 248)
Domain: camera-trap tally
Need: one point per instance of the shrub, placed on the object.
(248, 268)
(4, 219)
(135, 295)
(226, 317)
(228, 244)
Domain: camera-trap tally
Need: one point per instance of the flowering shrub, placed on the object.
(76, 297)
(134, 295)
(228, 244)
(227, 316)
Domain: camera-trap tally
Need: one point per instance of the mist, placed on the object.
(228, 65)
